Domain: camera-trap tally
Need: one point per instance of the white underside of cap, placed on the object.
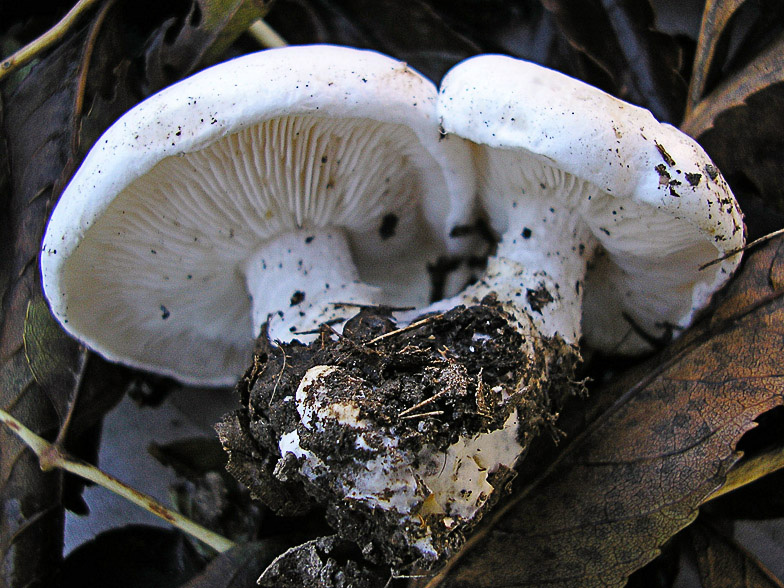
(167, 139)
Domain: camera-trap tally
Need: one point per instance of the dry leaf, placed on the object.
(764, 71)
(645, 66)
(239, 567)
(46, 132)
(715, 16)
(723, 563)
(638, 474)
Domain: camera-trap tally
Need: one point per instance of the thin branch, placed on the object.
(265, 35)
(51, 456)
(422, 415)
(45, 41)
(411, 327)
(743, 249)
(425, 402)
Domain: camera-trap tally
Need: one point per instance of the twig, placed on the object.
(265, 35)
(743, 249)
(423, 415)
(45, 41)
(425, 402)
(50, 456)
(411, 327)
(84, 68)
(317, 330)
(280, 373)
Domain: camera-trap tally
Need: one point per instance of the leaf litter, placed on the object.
(752, 101)
(638, 473)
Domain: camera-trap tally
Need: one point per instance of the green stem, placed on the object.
(52, 456)
(45, 41)
(265, 35)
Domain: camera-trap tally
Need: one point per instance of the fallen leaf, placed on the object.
(763, 454)
(50, 119)
(644, 66)
(766, 70)
(239, 567)
(427, 42)
(135, 556)
(31, 525)
(738, 125)
(183, 44)
(638, 474)
(723, 563)
(715, 16)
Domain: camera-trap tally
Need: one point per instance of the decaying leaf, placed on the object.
(36, 132)
(638, 473)
(766, 70)
(715, 16)
(239, 567)
(426, 42)
(183, 43)
(135, 556)
(50, 119)
(641, 65)
(723, 563)
(739, 122)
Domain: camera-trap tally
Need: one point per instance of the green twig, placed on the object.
(45, 41)
(51, 456)
(265, 35)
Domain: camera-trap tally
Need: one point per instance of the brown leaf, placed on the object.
(50, 120)
(715, 16)
(723, 563)
(645, 66)
(638, 474)
(239, 567)
(766, 70)
(427, 42)
(738, 125)
(36, 128)
(183, 43)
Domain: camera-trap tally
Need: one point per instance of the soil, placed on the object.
(445, 377)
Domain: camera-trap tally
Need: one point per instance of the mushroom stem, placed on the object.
(537, 271)
(295, 280)
(539, 268)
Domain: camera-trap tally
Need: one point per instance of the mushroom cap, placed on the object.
(197, 148)
(660, 208)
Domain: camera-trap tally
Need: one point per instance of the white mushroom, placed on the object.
(271, 186)
(589, 194)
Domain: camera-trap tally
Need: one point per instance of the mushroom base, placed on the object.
(407, 437)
